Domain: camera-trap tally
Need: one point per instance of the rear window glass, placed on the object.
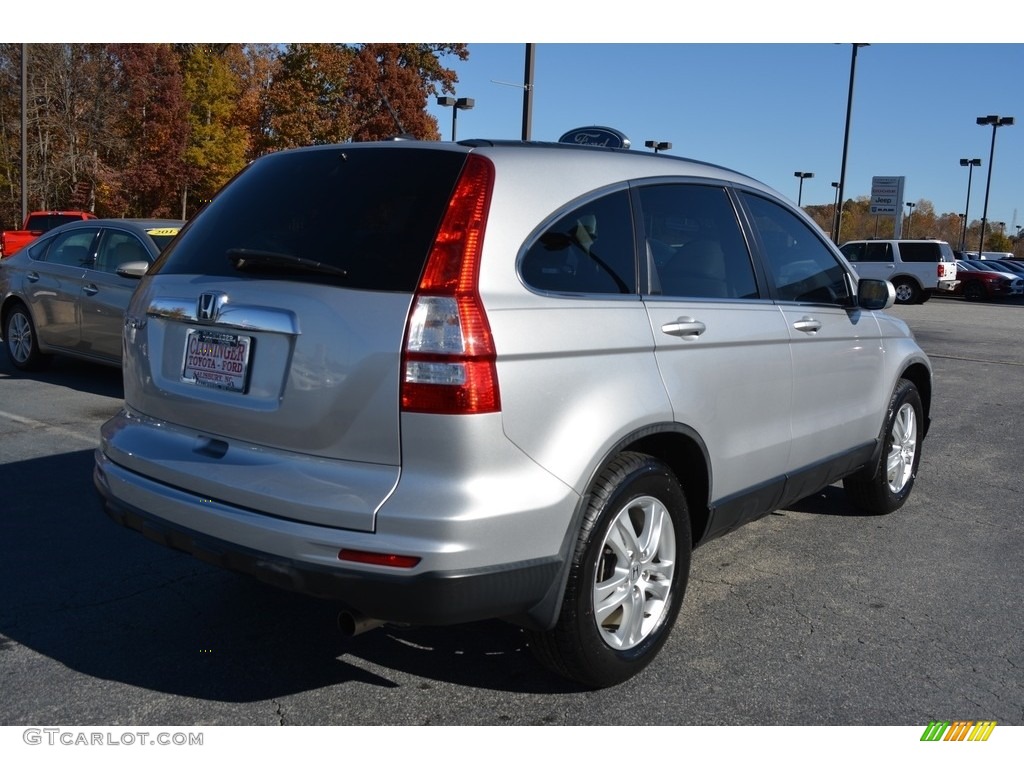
(368, 216)
(46, 222)
(920, 252)
(163, 236)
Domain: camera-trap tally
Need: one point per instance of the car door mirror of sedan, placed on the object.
(875, 294)
(133, 269)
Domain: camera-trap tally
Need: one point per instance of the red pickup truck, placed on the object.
(36, 223)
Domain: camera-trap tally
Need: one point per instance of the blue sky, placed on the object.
(769, 110)
(760, 88)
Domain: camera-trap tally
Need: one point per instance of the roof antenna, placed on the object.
(394, 115)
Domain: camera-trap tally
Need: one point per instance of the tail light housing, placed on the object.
(448, 357)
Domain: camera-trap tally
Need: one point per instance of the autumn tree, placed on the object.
(256, 67)
(390, 83)
(68, 119)
(308, 102)
(218, 144)
(324, 93)
(153, 130)
(67, 105)
(10, 134)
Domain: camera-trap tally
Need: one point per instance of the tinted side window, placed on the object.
(920, 252)
(73, 249)
(588, 250)
(879, 252)
(800, 264)
(117, 248)
(695, 242)
(855, 252)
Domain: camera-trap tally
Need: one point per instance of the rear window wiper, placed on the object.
(247, 258)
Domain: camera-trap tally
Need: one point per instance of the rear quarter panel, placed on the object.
(576, 373)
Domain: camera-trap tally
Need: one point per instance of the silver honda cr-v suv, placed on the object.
(446, 382)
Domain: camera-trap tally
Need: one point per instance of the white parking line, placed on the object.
(90, 439)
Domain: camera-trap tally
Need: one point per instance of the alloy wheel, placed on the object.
(633, 576)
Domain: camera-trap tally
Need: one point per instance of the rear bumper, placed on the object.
(305, 558)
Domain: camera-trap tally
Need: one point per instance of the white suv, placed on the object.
(916, 268)
(447, 382)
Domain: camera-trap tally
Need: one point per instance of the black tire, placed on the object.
(974, 292)
(627, 577)
(20, 340)
(907, 291)
(883, 488)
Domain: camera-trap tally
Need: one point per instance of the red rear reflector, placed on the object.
(378, 558)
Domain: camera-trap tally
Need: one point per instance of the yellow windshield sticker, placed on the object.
(167, 231)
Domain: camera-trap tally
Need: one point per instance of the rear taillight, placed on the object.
(448, 361)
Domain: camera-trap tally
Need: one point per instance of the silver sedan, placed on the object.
(67, 292)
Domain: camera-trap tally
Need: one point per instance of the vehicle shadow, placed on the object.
(79, 375)
(831, 501)
(1008, 302)
(104, 601)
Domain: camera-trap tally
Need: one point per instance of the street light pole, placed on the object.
(995, 121)
(800, 193)
(456, 105)
(835, 207)
(658, 146)
(846, 141)
(910, 216)
(970, 164)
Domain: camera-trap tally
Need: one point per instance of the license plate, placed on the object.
(219, 360)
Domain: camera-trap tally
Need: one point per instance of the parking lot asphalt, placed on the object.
(814, 615)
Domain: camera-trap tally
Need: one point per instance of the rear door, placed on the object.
(721, 346)
(54, 287)
(874, 260)
(105, 294)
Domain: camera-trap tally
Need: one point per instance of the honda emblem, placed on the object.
(209, 304)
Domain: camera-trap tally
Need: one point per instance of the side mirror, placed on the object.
(875, 294)
(134, 269)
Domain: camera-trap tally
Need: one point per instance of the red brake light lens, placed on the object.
(448, 361)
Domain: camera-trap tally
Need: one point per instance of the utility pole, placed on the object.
(24, 131)
(528, 93)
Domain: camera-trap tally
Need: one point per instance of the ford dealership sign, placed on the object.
(596, 136)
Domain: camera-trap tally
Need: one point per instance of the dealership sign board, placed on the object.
(596, 136)
(887, 199)
(886, 195)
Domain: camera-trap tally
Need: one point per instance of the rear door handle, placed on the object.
(685, 327)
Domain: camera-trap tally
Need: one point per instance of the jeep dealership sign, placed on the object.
(887, 199)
